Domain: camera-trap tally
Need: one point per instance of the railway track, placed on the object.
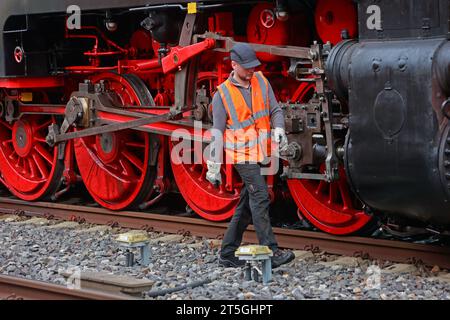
(396, 251)
(12, 288)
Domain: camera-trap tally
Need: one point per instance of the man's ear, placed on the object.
(233, 64)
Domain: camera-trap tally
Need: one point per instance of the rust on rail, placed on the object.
(13, 288)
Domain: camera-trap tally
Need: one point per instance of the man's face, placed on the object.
(241, 72)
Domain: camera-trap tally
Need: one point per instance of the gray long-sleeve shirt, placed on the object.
(220, 113)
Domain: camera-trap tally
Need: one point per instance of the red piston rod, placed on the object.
(180, 55)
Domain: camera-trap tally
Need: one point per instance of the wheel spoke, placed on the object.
(19, 163)
(321, 187)
(12, 155)
(40, 165)
(44, 153)
(25, 166)
(33, 167)
(44, 125)
(332, 194)
(6, 142)
(6, 124)
(127, 168)
(134, 144)
(202, 175)
(40, 139)
(346, 199)
(115, 166)
(196, 168)
(134, 160)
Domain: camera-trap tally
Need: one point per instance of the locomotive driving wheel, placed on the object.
(115, 167)
(211, 203)
(331, 207)
(29, 167)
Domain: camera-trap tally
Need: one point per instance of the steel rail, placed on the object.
(396, 251)
(13, 288)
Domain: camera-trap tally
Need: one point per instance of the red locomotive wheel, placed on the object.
(214, 204)
(29, 166)
(330, 207)
(115, 166)
(333, 16)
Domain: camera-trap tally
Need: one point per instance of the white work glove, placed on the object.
(279, 136)
(213, 175)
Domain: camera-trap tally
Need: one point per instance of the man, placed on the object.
(245, 109)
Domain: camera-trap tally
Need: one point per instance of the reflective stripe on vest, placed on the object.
(233, 113)
(263, 86)
(248, 144)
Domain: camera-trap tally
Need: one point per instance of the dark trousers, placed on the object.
(253, 205)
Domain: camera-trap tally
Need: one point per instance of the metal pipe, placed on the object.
(179, 6)
(162, 6)
(151, 202)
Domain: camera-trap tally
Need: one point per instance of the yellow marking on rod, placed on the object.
(192, 7)
(26, 96)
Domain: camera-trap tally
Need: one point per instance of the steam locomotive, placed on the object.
(92, 93)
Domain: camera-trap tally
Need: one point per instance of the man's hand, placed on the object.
(279, 136)
(213, 175)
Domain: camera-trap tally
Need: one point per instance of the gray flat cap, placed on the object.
(244, 54)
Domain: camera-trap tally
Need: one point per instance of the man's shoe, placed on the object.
(231, 262)
(281, 257)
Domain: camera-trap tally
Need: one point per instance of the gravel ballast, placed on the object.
(43, 251)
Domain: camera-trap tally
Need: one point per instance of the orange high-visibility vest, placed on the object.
(247, 137)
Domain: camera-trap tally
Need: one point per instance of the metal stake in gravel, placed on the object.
(135, 239)
(254, 254)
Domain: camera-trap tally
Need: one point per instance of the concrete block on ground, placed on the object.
(303, 255)
(197, 245)
(103, 281)
(9, 218)
(442, 276)
(342, 261)
(95, 229)
(64, 225)
(214, 243)
(400, 268)
(34, 221)
(171, 238)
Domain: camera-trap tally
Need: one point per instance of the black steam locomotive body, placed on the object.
(91, 92)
